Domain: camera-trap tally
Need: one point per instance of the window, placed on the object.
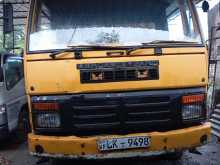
(60, 24)
(13, 71)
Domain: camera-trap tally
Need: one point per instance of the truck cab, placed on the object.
(113, 79)
(13, 100)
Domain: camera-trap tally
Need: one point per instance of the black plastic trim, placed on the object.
(114, 127)
(119, 71)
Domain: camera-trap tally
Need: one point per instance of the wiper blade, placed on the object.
(158, 42)
(83, 47)
(96, 46)
(169, 41)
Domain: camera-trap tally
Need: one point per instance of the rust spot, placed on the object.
(32, 88)
(165, 140)
(82, 145)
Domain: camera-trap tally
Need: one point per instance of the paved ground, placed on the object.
(12, 153)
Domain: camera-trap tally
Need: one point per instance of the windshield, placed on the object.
(58, 24)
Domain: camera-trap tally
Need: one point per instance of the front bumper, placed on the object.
(86, 147)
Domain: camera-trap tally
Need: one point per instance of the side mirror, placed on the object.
(205, 6)
(8, 18)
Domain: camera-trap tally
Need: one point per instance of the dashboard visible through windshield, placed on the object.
(58, 24)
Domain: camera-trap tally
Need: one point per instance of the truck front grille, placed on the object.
(121, 114)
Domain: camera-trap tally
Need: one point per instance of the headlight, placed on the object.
(48, 120)
(3, 115)
(46, 115)
(192, 112)
(193, 107)
(2, 109)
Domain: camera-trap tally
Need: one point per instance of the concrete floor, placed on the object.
(12, 153)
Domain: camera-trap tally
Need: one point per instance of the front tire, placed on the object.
(23, 126)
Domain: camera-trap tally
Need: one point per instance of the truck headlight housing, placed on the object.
(46, 115)
(190, 112)
(48, 120)
(193, 107)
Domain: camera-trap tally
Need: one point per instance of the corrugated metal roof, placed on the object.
(20, 7)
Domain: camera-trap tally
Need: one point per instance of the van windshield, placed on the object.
(58, 24)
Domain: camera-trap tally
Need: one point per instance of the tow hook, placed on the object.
(195, 151)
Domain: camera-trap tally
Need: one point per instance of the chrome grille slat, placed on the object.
(146, 104)
(97, 107)
(147, 113)
(95, 116)
(147, 122)
(97, 125)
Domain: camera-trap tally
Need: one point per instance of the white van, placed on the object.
(13, 101)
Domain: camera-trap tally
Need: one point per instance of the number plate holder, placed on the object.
(123, 143)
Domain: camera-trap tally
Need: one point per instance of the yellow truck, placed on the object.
(115, 78)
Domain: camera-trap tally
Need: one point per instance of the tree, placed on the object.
(18, 40)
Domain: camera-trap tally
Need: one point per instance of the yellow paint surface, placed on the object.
(72, 145)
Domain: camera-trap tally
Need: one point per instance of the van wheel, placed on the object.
(23, 126)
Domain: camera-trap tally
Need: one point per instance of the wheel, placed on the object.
(23, 126)
(177, 155)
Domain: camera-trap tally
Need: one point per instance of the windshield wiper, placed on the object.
(77, 49)
(129, 49)
(158, 43)
(56, 53)
(169, 41)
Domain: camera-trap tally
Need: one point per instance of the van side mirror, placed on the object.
(205, 6)
(8, 18)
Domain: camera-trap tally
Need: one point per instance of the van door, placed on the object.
(1, 72)
(15, 92)
(3, 118)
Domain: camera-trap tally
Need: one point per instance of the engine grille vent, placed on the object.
(113, 72)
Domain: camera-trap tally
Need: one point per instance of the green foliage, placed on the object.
(18, 40)
(19, 37)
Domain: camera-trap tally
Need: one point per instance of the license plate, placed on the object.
(123, 143)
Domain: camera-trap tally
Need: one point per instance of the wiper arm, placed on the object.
(169, 41)
(55, 54)
(158, 42)
(81, 48)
